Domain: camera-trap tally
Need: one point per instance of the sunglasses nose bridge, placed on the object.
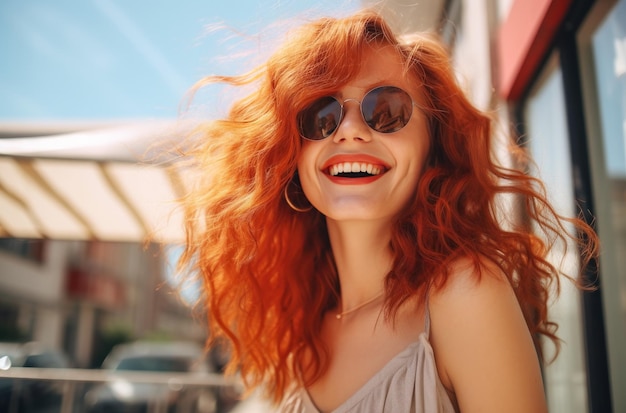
(356, 101)
(353, 124)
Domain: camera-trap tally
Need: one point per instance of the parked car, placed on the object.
(30, 396)
(123, 395)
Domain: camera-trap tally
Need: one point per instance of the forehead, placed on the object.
(382, 65)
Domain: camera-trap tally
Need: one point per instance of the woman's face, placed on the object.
(394, 161)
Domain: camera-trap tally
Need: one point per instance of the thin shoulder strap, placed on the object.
(427, 318)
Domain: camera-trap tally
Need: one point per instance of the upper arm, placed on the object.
(482, 345)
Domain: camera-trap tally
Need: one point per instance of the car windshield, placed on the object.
(154, 364)
(49, 360)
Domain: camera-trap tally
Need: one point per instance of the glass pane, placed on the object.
(565, 379)
(607, 117)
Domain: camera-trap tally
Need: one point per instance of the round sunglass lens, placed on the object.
(387, 109)
(320, 120)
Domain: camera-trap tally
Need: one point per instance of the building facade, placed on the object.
(81, 297)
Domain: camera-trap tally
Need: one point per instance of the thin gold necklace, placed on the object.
(342, 314)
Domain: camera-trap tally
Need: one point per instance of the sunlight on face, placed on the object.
(358, 173)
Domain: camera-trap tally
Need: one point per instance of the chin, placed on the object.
(360, 213)
(362, 208)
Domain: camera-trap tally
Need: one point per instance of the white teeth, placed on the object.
(354, 167)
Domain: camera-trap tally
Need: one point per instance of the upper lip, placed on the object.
(354, 163)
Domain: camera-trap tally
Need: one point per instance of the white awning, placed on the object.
(99, 183)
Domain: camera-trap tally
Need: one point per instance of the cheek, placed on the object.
(422, 148)
(306, 169)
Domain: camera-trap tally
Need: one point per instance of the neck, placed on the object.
(363, 259)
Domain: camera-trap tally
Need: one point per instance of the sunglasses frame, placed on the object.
(360, 102)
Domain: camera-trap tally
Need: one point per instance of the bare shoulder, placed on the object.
(483, 348)
(468, 282)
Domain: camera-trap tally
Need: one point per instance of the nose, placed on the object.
(352, 126)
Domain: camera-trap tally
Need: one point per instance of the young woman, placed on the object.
(349, 239)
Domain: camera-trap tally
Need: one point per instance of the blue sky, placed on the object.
(129, 59)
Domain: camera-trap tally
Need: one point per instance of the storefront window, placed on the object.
(603, 62)
(547, 137)
(29, 249)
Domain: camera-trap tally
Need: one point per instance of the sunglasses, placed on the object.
(385, 109)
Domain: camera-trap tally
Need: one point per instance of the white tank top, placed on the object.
(408, 383)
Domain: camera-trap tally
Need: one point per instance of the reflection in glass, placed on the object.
(392, 110)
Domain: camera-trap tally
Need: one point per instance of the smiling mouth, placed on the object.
(355, 170)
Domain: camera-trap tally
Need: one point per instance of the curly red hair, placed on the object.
(268, 271)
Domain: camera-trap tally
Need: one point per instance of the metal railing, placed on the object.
(72, 379)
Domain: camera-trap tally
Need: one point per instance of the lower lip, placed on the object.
(354, 181)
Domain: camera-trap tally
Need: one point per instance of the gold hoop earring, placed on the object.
(291, 204)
